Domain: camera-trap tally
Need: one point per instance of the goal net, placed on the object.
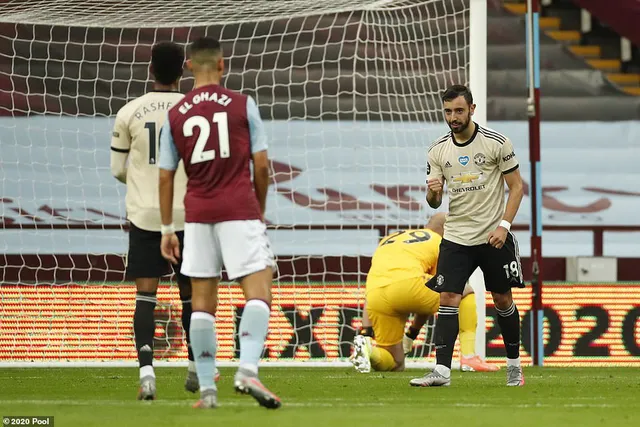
(349, 91)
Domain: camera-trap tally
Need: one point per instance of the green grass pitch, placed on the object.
(329, 397)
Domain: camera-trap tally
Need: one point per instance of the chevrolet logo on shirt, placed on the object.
(466, 177)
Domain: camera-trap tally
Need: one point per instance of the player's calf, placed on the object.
(144, 327)
(253, 330)
(203, 334)
(509, 322)
(184, 285)
(254, 323)
(204, 342)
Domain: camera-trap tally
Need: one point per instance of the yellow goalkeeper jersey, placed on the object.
(404, 255)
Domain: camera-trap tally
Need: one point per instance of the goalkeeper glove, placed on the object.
(408, 338)
(407, 344)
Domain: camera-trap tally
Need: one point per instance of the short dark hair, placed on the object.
(205, 44)
(455, 91)
(167, 60)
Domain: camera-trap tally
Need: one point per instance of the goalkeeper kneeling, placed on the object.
(403, 262)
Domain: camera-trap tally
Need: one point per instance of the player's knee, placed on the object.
(502, 301)
(261, 293)
(204, 298)
(207, 305)
(147, 284)
(258, 285)
(399, 366)
(450, 299)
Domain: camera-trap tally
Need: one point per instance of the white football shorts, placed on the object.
(242, 247)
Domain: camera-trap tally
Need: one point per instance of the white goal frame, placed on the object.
(478, 85)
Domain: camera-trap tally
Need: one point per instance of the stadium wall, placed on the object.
(62, 213)
(55, 170)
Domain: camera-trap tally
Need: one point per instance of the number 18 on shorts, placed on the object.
(501, 267)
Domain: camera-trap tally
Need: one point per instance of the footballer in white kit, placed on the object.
(134, 161)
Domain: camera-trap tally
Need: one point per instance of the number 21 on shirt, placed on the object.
(199, 154)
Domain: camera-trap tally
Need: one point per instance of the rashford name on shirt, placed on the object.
(153, 107)
(223, 100)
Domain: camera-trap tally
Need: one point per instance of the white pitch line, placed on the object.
(183, 403)
(310, 404)
(533, 405)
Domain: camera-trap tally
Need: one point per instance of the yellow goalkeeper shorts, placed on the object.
(389, 306)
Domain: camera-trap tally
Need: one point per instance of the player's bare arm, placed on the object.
(261, 178)
(170, 246)
(516, 192)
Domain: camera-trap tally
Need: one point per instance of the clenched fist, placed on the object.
(435, 184)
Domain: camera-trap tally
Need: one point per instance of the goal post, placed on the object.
(350, 94)
(478, 58)
(478, 85)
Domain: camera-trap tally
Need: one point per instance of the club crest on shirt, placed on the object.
(479, 159)
(464, 160)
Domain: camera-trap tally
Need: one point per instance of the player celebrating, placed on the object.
(475, 162)
(401, 265)
(135, 136)
(218, 133)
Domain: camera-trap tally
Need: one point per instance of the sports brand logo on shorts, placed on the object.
(464, 160)
(479, 159)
